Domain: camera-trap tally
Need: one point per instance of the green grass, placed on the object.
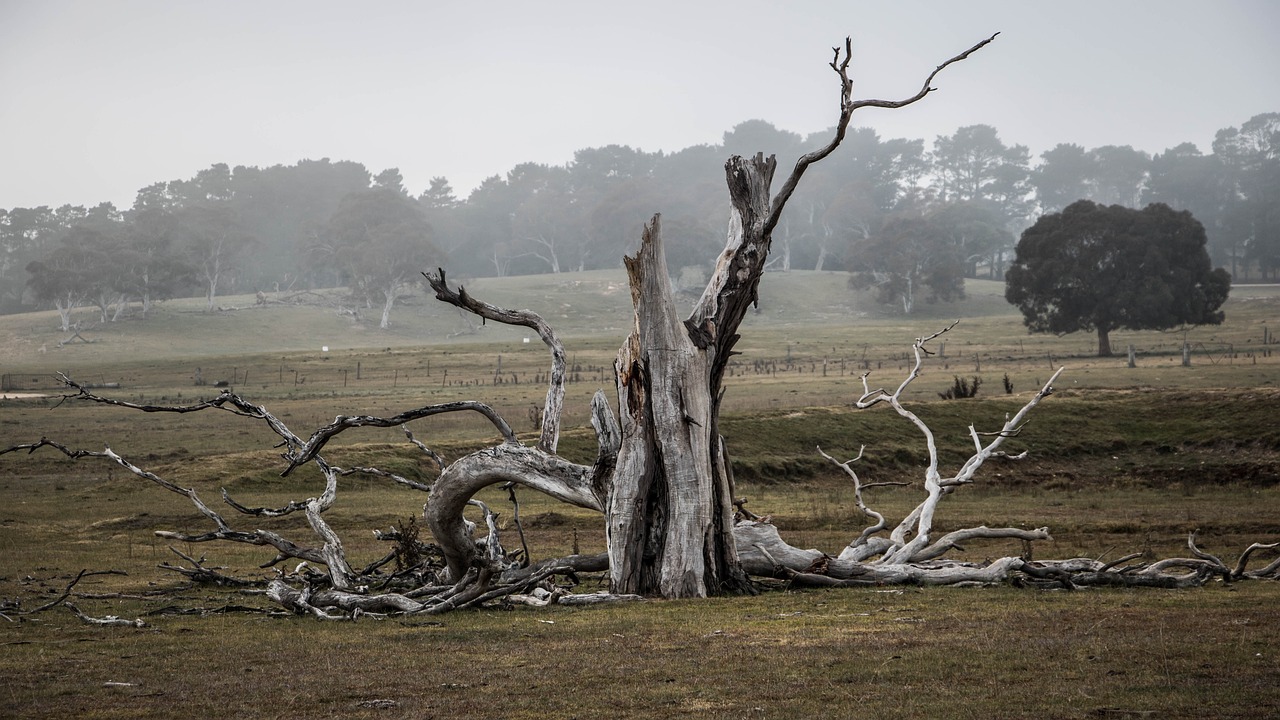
(1121, 459)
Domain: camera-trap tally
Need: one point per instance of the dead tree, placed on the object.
(668, 499)
(661, 478)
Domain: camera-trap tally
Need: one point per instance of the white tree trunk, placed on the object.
(390, 296)
(65, 307)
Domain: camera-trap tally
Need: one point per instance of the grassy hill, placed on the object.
(589, 306)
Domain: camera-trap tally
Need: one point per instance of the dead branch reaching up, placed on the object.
(920, 520)
(554, 405)
(916, 561)
(515, 519)
(857, 497)
(840, 64)
(1239, 571)
(1010, 429)
(439, 461)
(1214, 561)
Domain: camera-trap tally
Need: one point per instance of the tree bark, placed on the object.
(669, 518)
(1104, 342)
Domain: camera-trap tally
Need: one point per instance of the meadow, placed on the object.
(1121, 459)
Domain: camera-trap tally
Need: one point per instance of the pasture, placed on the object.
(1121, 460)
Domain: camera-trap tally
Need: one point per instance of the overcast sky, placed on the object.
(99, 99)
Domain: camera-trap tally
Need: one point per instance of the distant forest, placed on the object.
(956, 208)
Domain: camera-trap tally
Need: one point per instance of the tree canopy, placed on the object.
(585, 213)
(1108, 267)
(378, 241)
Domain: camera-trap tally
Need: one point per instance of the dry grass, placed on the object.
(1123, 460)
(994, 653)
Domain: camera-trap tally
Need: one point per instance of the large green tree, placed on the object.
(1108, 267)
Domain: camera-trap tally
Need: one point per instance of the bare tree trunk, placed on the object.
(669, 517)
(211, 290)
(386, 308)
(64, 312)
(121, 303)
(1104, 342)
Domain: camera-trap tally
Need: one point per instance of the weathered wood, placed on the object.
(106, 620)
(531, 467)
(553, 407)
(664, 499)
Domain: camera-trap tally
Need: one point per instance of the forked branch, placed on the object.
(840, 64)
(554, 405)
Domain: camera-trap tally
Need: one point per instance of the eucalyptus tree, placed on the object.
(214, 243)
(852, 193)
(72, 273)
(1066, 174)
(915, 257)
(1249, 158)
(974, 164)
(1121, 175)
(153, 268)
(378, 239)
(26, 234)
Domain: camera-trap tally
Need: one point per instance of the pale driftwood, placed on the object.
(920, 520)
(541, 597)
(853, 550)
(106, 620)
(565, 481)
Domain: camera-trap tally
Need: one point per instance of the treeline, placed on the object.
(906, 221)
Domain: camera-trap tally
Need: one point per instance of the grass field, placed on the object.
(1122, 459)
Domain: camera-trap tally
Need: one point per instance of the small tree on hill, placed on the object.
(378, 239)
(1104, 268)
(908, 258)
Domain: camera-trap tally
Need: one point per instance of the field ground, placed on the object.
(1121, 460)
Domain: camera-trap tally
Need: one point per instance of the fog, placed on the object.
(102, 99)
